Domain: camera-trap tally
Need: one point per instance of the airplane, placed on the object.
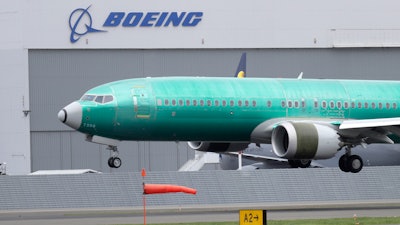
(303, 119)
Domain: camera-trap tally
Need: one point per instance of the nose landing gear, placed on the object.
(350, 163)
(114, 161)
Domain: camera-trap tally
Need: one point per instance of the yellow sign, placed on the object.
(253, 217)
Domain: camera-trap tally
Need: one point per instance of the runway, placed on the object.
(127, 216)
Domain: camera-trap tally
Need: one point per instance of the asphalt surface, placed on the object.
(177, 215)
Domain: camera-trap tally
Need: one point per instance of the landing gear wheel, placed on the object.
(355, 163)
(352, 163)
(114, 162)
(302, 163)
(343, 165)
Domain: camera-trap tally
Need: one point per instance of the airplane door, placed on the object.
(141, 102)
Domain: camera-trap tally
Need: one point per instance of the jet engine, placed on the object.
(302, 140)
(217, 146)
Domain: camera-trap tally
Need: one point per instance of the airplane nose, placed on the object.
(71, 115)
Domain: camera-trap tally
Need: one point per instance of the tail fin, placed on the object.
(241, 69)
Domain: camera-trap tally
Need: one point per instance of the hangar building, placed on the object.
(51, 52)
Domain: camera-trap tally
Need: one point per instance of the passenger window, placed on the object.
(394, 106)
(246, 103)
(359, 105)
(195, 102)
(290, 104)
(269, 104)
(159, 102)
(166, 102)
(202, 102)
(331, 104)
(283, 104)
(254, 103)
(173, 102)
(373, 105)
(346, 105)
(99, 99)
(380, 105)
(387, 105)
(339, 105)
(216, 103)
(366, 105)
(208, 102)
(324, 104)
(353, 105)
(296, 104)
(187, 102)
(240, 103)
(231, 103)
(180, 102)
(303, 103)
(315, 103)
(223, 102)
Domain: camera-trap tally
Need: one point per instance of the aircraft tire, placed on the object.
(343, 163)
(114, 162)
(302, 163)
(110, 162)
(355, 163)
(293, 163)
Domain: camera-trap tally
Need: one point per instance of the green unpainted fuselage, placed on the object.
(227, 109)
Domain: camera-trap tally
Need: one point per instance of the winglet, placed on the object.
(241, 69)
(300, 76)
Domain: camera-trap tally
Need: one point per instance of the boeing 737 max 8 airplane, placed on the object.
(301, 118)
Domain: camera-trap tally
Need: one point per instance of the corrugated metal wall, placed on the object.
(58, 77)
(215, 188)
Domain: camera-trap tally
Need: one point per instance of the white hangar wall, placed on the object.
(50, 54)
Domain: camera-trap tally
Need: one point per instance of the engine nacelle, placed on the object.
(303, 140)
(216, 146)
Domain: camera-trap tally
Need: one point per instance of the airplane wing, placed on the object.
(385, 130)
(368, 123)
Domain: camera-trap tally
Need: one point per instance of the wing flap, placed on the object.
(368, 123)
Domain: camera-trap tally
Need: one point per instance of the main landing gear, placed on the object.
(114, 161)
(350, 163)
(300, 163)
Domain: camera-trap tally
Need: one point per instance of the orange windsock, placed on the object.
(166, 188)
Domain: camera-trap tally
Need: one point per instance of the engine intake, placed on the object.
(303, 140)
(217, 146)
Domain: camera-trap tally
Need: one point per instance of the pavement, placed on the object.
(211, 213)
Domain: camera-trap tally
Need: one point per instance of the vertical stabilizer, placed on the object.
(241, 69)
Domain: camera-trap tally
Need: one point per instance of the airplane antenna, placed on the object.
(300, 76)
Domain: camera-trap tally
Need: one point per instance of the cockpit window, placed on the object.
(88, 97)
(108, 98)
(99, 98)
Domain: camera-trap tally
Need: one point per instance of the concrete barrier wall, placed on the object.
(214, 188)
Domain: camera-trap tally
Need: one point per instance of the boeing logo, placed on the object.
(80, 21)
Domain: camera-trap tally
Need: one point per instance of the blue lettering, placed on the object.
(114, 19)
(174, 19)
(192, 19)
(149, 19)
(153, 19)
(128, 22)
(161, 19)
